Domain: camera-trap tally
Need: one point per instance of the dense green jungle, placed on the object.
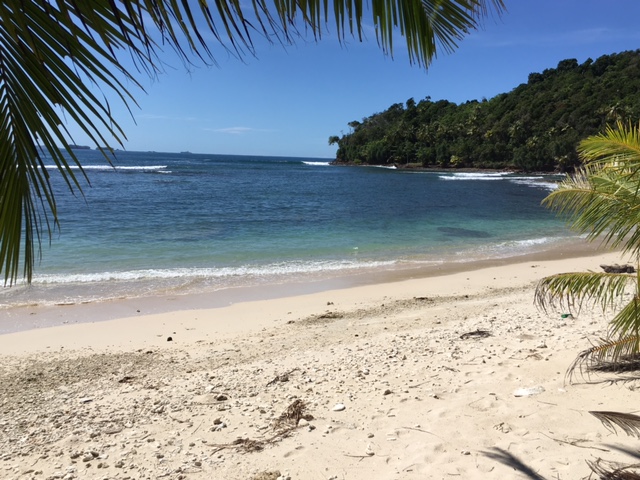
(535, 127)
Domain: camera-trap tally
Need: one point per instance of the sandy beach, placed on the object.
(450, 376)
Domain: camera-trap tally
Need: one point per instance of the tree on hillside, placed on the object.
(535, 127)
(52, 52)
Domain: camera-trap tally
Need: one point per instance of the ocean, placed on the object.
(167, 223)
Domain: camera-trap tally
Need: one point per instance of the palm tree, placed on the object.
(52, 52)
(602, 201)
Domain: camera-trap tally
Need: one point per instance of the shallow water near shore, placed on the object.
(176, 224)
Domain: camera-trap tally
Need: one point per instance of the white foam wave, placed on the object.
(285, 268)
(531, 181)
(132, 168)
(318, 164)
(474, 176)
(535, 182)
(109, 168)
(530, 242)
(513, 247)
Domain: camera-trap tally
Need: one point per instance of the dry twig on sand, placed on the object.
(286, 423)
(283, 377)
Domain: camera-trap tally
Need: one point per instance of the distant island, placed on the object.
(73, 146)
(535, 127)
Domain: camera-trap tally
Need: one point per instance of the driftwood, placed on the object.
(476, 334)
(615, 268)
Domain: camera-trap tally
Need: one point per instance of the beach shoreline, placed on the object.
(35, 316)
(410, 379)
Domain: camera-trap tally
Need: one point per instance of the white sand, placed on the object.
(116, 400)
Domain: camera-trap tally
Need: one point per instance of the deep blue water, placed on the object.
(162, 222)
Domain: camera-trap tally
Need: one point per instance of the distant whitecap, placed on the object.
(318, 164)
(474, 176)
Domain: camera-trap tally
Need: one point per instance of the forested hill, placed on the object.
(535, 127)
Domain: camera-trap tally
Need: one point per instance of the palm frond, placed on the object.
(627, 422)
(53, 53)
(618, 148)
(612, 352)
(45, 66)
(627, 321)
(601, 203)
(570, 291)
(613, 471)
(602, 198)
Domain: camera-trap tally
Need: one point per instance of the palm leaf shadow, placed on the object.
(510, 460)
(629, 424)
(626, 450)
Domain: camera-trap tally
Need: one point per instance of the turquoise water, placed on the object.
(159, 223)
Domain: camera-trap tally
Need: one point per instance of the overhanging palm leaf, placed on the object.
(602, 200)
(618, 148)
(52, 52)
(615, 354)
(571, 291)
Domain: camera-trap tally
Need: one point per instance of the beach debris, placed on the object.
(282, 377)
(286, 423)
(322, 318)
(169, 339)
(338, 407)
(266, 475)
(502, 427)
(218, 425)
(476, 334)
(291, 417)
(615, 268)
(424, 299)
(247, 445)
(528, 392)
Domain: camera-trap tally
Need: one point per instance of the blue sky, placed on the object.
(287, 102)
